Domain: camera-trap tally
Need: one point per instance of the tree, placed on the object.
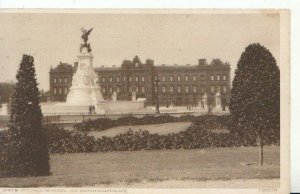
(255, 95)
(26, 151)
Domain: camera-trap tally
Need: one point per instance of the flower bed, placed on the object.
(197, 136)
(106, 123)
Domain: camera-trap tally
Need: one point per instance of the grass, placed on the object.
(108, 169)
(161, 129)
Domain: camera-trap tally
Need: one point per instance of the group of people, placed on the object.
(92, 109)
(189, 107)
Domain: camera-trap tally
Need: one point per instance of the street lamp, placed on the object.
(168, 99)
(156, 81)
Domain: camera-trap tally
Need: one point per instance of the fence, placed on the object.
(77, 118)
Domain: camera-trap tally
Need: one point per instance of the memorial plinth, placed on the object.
(85, 89)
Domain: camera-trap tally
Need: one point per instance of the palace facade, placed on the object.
(180, 85)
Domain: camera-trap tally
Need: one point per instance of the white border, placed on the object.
(293, 5)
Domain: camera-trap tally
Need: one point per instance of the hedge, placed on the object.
(197, 136)
(106, 123)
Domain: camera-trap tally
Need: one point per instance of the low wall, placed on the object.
(6, 109)
(104, 107)
(121, 106)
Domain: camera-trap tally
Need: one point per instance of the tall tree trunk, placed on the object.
(261, 146)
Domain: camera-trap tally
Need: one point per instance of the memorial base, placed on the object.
(102, 107)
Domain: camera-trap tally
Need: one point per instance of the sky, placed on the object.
(166, 38)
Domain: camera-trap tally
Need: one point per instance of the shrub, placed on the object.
(197, 136)
(25, 152)
(106, 123)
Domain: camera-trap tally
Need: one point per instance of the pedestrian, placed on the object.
(90, 109)
(94, 109)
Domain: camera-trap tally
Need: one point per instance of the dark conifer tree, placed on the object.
(255, 95)
(26, 153)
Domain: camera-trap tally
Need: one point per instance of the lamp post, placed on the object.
(168, 99)
(156, 81)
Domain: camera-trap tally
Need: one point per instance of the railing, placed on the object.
(77, 118)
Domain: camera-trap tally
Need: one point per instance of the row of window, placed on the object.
(170, 89)
(60, 80)
(142, 78)
(131, 89)
(60, 91)
(110, 79)
(194, 78)
(164, 89)
(218, 77)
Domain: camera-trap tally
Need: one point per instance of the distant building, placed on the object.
(179, 85)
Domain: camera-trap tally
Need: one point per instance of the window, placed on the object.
(54, 80)
(212, 77)
(202, 89)
(118, 89)
(110, 79)
(136, 89)
(186, 78)
(212, 89)
(171, 78)
(163, 78)
(59, 90)
(218, 88)
(194, 78)
(202, 77)
(224, 89)
(59, 80)
(194, 89)
(137, 78)
(186, 89)
(124, 78)
(103, 79)
(155, 89)
(171, 89)
(224, 77)
(110, 89)
(54, 90)
(164, 89)
(179, 78)
(155, 77)
(66, 90)
(103, 89)
(66, 80)
(143, 78)
(118, 79)
(179, 89)
(130, 89)
(143, 89)
(130, 79)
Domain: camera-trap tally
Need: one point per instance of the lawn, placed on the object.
(161, 129)
(138, 167)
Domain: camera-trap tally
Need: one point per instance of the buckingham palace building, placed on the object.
(180, 85)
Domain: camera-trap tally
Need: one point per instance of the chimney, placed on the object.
(202, 62)
(150, 62)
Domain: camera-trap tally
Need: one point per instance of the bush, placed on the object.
(197, 136)
(63, 141)
(106, 123)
